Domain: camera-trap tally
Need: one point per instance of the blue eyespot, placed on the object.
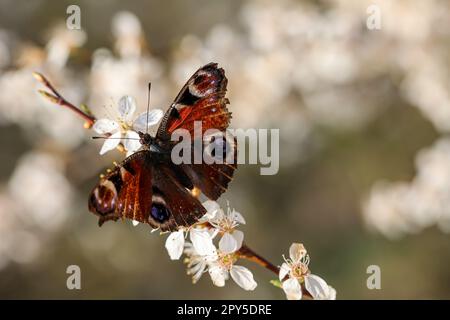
(159, 212)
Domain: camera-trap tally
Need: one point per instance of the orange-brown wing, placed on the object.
(135, 196)
(202, 98)
(143, 191)
(126, 191)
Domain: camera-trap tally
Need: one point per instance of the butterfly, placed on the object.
(147, 186)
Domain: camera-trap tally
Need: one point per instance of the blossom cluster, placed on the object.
(201, 253)
(203, 256)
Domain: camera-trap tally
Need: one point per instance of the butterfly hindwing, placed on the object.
(125, 191)
(135, 196)
(147, 192)
(184, 208)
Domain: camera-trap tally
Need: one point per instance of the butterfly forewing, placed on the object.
(203, 99)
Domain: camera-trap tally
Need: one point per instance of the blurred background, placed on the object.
(363, 114)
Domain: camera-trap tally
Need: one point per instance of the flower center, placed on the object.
(299, 270)
(225, 226)
(227, 260)
(124, 125)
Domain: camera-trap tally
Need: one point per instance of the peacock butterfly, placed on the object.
(147, 186)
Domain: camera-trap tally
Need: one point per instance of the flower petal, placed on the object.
(238, 217)
(239, 237)
(111, 143)
(317, 287)
(218, 275)
(127, 107)
(292, 289)
(175, 244)
(331, 293)
(131, 142)
(202, 242)
(141, 122)
(102, 126)
(212, 207)
(284, 271)
(197, 271)
(243, 277)
(228, 243)
(297, 251)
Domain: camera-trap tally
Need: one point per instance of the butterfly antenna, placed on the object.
(122, 138)
(148, 105)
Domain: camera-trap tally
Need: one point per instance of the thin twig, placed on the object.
(247, 253)
(58, 99)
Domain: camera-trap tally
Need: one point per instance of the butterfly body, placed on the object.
(147, 186)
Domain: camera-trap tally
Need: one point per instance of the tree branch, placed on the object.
(58, 99)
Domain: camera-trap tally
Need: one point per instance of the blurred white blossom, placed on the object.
(40, 188)
(127, 30)
(61, 42)
(33, 207)
(399, 207)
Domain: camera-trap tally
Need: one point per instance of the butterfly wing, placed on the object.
(124, 192)
(203, 99)
(143, 191)
(212, 177)
(182, 207)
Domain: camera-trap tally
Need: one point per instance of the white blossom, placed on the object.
(175, 244)
(297, 272)
(124, 129)
(226, 224)
(202, 241)
(220, 267)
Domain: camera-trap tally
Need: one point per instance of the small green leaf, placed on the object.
(276, 283)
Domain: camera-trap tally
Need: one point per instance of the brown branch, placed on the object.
(58, 99)
(247, 253)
